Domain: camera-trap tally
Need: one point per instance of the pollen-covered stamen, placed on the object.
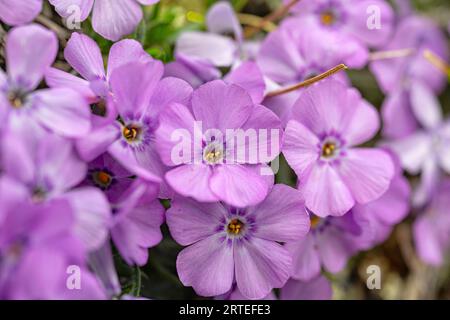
(235, 227)
(315, 221)
(213, 153)
(327, 18)
(102, 178)
(329, 149)
(16, 99)
(131, 133)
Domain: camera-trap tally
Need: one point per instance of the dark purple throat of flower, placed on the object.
(99, 108)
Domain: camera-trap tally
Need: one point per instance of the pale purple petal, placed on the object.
(97, 142)
(56, 78)
(115, 19)
(207, 266)
(248, 75)
(124, 52)
(30, 50)
(222, 19)
(17, 12)
(316, 289)
(260, 266)
(305, 257)
(367, 173)
(425, 105)
(65, 8)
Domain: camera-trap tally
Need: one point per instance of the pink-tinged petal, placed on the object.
(325, 193)
(127, 157)
(134, 84)
(222, 19)
(398, 118)
(92, 215)
(115, 19)
(260, 266)
(326, 106)
(426, 238)
(84, 55)
(217, 49)
(60, 79)
(18, 12)
(240, 185)
(221, 106)
(12, 193)
(429, 181)
(177, 128)
(63, 111)
(316, 289)
(300, 147)
(260, 139)
(65, 8)
(413, 151)
(363, 126)
(190, 221)
(124, 52)
(367, 173)
(30, 50)
(169, 90)
(444, 147)
(281, 216)
(425, 106)
(305, 258)
(97, 142)
(102, 264)
(207, 266)
(359, 18)
(333, 250)
(192, 181)
(248, 75)
(137, 228)
(279, 57)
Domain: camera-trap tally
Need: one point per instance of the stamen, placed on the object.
(327, 18)
(315, 221)
(307, 82)
(328, 149)
(235, 227)
(16, 99)
(102, 179)
(437, 61)
(131, 132)
(213, 153)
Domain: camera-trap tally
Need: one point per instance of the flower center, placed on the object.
(315, 221)
(99, 108)
(38, 194)
(328, 149)
(131, 133)
(102, 179)
(327, 18)
(235, 227)
(17, 99)
(213, 153)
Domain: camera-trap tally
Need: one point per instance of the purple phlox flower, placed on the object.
(84, 55)
(329, 244)
(318, 288)
(328, 120)
(138, 216)
(30, 50)
(39, 249)
(431, 230)
(203, 144)
(287, 57)
(427, 151)
(138, 95)
(344, 29)
(47, 168)
(111, 19)
(18, 12)
(227, 245)
(400, 77)
(107, 174)
(215, 46)
(387, 211)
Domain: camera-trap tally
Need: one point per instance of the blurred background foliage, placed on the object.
(404, 276)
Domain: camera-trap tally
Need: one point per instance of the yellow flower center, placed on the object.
(130, 132)
(328, 149)
(315, 220)
(235, 227)
(327, 18)
(16, 100)
(213, 153)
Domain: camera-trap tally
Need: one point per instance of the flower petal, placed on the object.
(316, 289)
(65, 8)
(305, 257)
(207, 266)
(260, 266)
(17, 12)
(124, 52)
